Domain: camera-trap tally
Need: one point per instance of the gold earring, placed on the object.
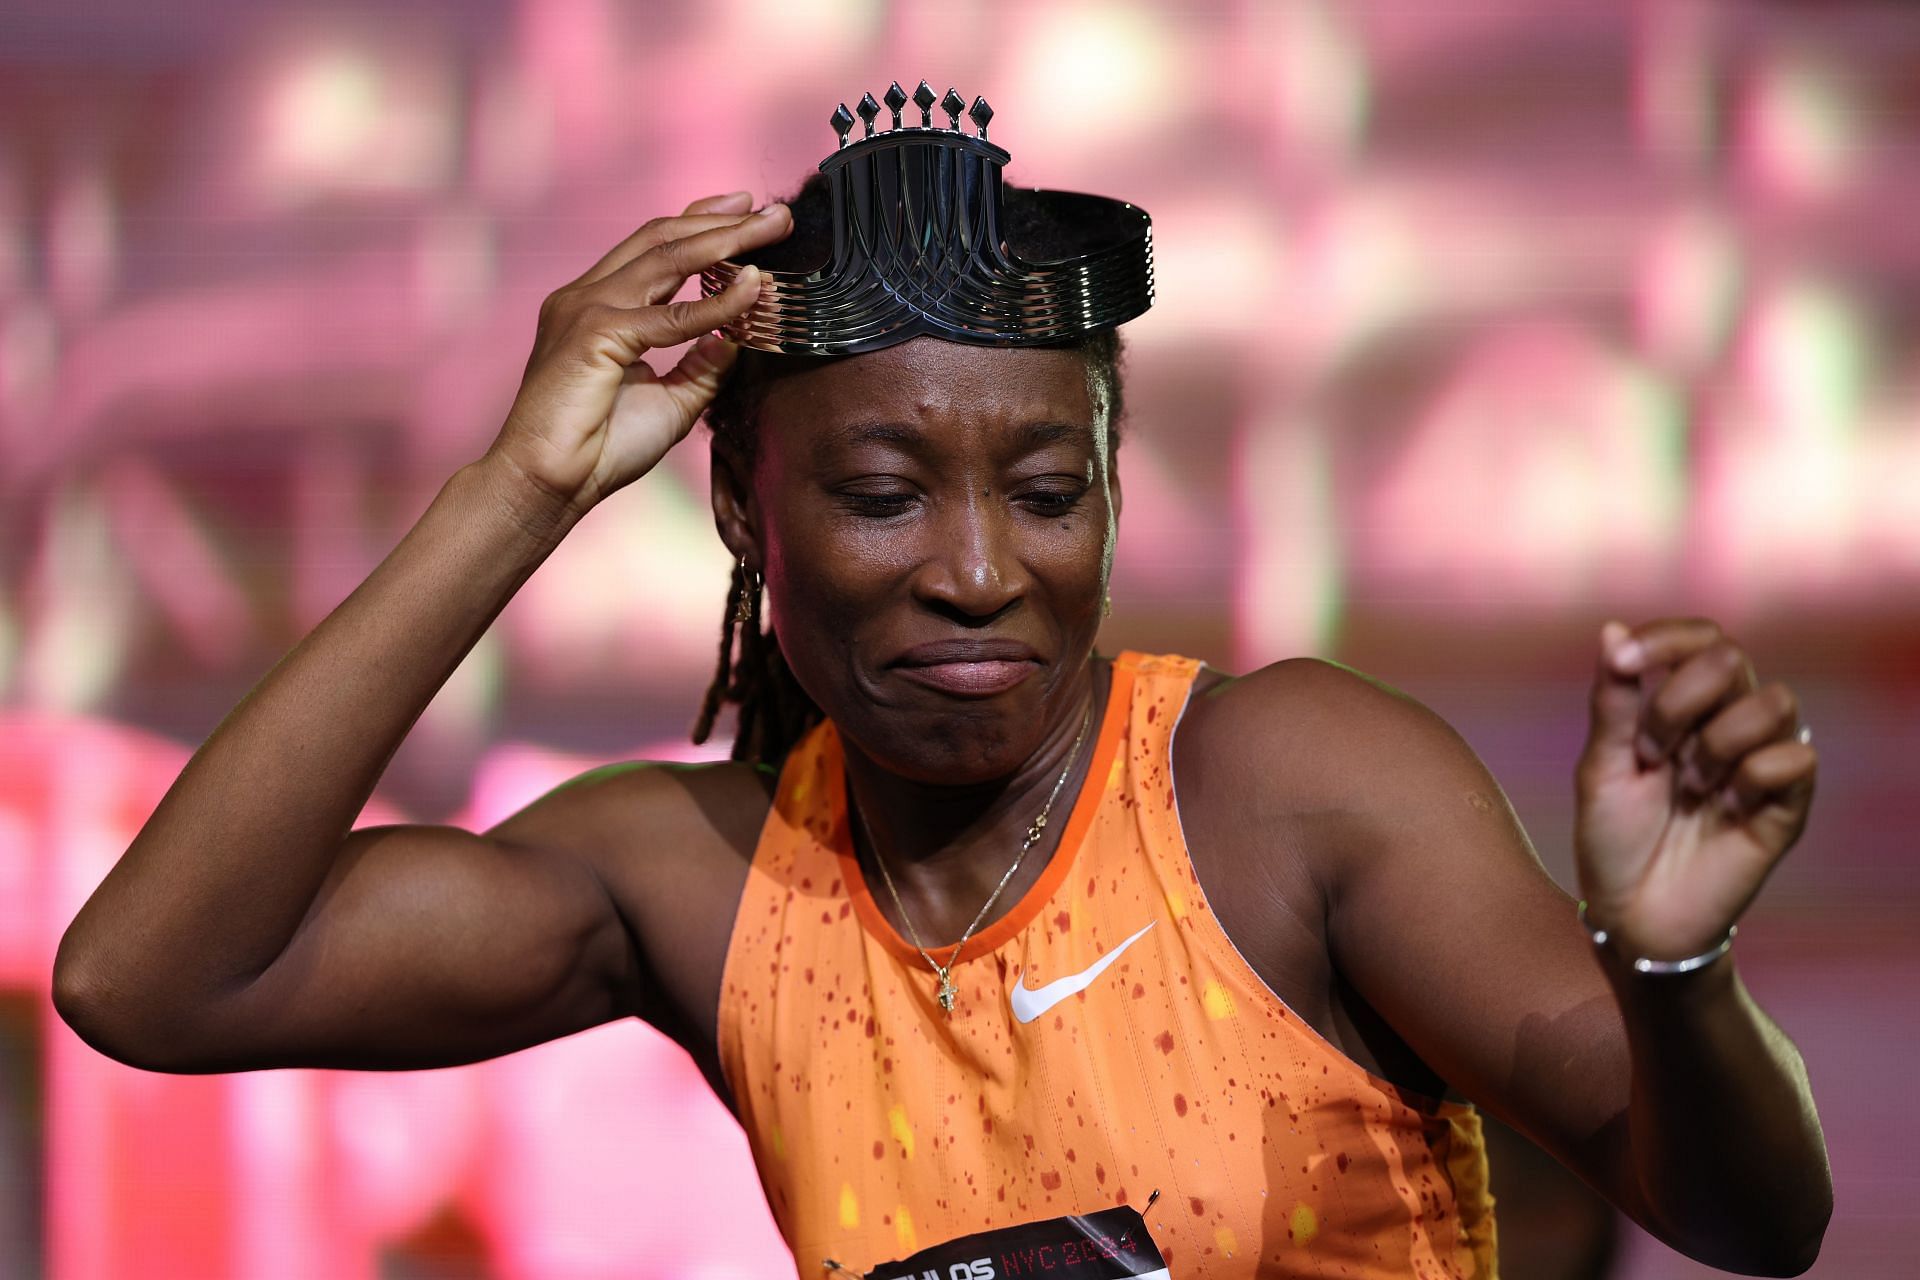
(743, 599)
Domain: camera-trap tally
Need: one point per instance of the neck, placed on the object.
(946, 847)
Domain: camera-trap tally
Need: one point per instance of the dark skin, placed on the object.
(987, 505)
(1357, 851)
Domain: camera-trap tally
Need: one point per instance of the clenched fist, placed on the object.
(1694, 782)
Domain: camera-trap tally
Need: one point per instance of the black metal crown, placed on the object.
(918, 247)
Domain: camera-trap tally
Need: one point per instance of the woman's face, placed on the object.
(936, 525)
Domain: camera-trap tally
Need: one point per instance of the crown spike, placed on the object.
(924, 97)
(980, 113)
(842, 121)
(953, 104)
(868, 109)
(896, 99)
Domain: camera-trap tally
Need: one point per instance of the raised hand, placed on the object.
(1694, 781)
(591, 415)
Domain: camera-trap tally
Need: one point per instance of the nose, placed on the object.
(974, 569)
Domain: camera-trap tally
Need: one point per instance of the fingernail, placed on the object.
(1647, 749)
(1629, 655)
(771, 212)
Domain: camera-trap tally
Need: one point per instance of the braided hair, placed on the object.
(752, 674)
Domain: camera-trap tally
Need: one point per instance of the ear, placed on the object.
(736, 512)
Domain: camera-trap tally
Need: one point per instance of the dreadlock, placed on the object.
(774, 711)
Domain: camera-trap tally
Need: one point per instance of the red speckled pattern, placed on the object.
(881, 1126)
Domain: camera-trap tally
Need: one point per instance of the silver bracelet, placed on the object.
(1645, 964)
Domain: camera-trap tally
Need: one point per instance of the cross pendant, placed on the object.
(946, 993)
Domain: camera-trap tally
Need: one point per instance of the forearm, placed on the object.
(224, 871)
(1723, 1134)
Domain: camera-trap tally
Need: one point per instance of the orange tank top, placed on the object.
(1108, 1041)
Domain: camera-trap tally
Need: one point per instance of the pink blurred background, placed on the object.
(1478, 323)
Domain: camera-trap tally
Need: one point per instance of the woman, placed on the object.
(981, 927)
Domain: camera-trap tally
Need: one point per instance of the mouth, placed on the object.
(968, 668)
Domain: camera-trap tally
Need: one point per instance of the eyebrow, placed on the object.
(1028, 437)
(1035, 435)
(893, 433)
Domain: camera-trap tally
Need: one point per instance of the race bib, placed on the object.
(1108, 1245)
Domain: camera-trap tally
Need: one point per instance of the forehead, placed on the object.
(929, 383)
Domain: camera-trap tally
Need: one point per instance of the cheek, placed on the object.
(1073, 569)
(1076, 551)
(821, 585)
(821, 566)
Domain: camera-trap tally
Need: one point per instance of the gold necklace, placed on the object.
(946, 993)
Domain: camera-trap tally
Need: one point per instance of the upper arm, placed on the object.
(430, 946)
(1442, 918)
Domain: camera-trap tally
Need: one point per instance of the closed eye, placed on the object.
(1046, 502)
(877, 504)
(1053, 502)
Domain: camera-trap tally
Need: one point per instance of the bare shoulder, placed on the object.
(1310, 733)
(1365, 806)
(1365, 776)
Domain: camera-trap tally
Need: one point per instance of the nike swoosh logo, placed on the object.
(1030, 1004)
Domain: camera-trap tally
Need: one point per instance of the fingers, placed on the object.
(1654, 685)
(1706, 712)
(1766, 715)
(1779, 775)
(712, 211)
(1687, 665)
(657, 273)
(1770, 794)
(696, 379)
(1615, 706)
(1665, 641)
(622, 333)
(732, 202)
(651, 236)
(1710, 678)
